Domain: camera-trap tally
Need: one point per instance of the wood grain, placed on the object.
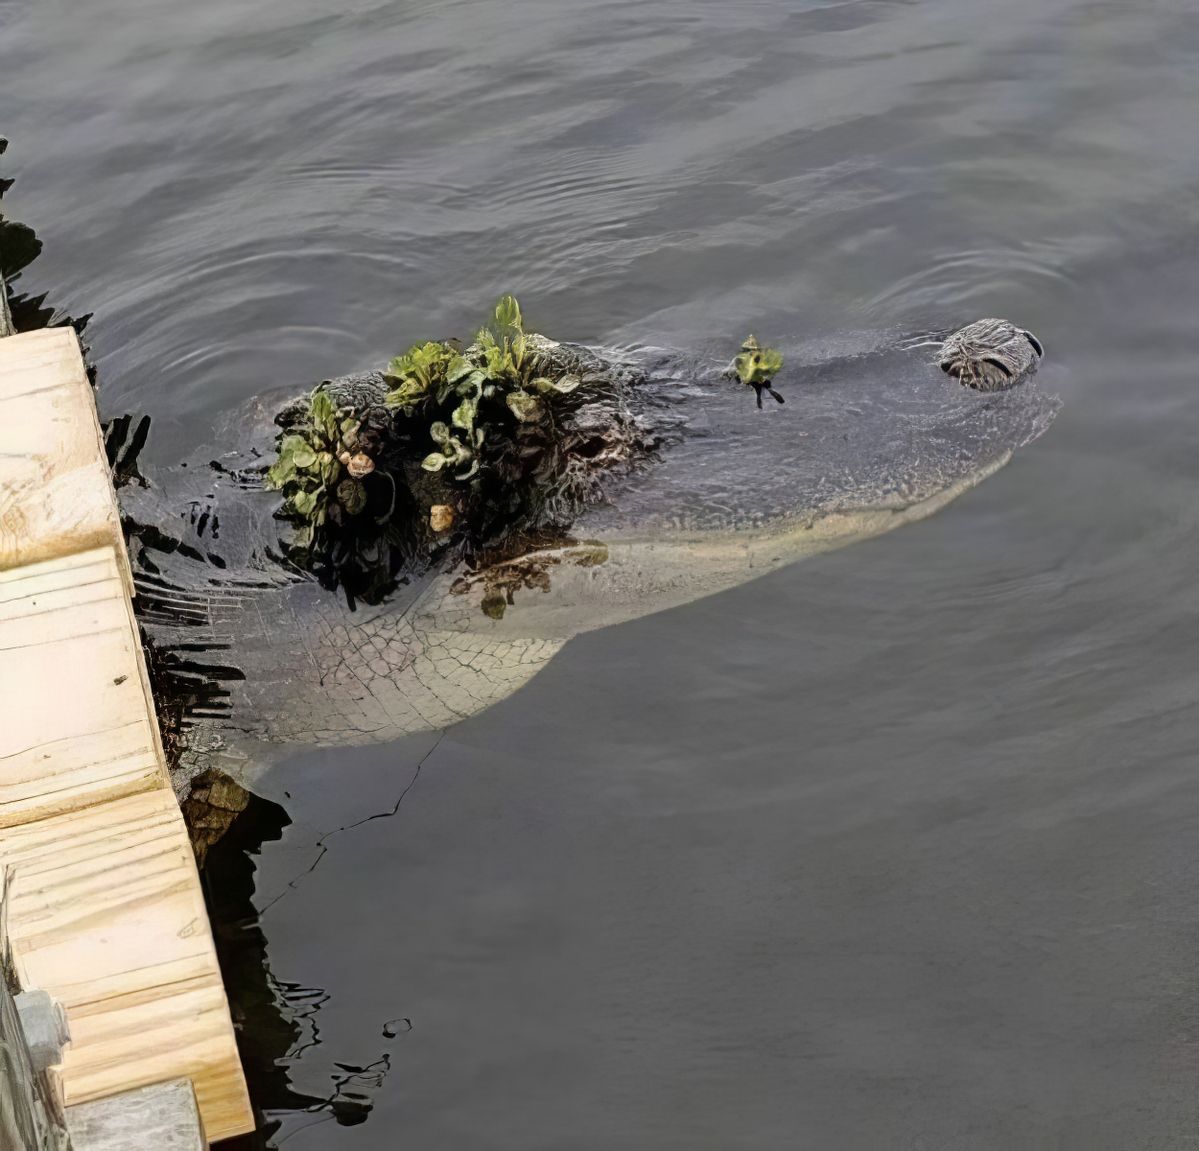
(55, 493)
(107, 915)
(78, 723)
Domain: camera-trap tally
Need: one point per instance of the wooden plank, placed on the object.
(162, 1117)
(55, 491)
(107, 915)
(79, 725)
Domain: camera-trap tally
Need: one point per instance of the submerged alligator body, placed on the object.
(875, 438)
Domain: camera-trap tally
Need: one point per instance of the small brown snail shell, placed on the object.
(360, 465)
(441, 517)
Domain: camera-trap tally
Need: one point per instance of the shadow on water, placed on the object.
(19, 247)
(276, 1020)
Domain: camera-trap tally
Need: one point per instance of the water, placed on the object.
(894, 848)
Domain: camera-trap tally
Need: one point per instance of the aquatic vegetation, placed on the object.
(447, 448)
(470, 398)
(321, 469)
(756, 368)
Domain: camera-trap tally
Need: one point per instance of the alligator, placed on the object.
(718, 493)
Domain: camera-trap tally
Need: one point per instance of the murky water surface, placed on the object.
(895, 848)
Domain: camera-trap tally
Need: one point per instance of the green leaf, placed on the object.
(440, 433)
(302, 537)
(459, 370)
(323, 413)
(524, 406)
(566, 384)
(507, 312)
(464, 414)
(542, 384)
(281, 473)
(424, 364)
(303, 456)
(495, 362)
(329, 466)
(434, 462)
(351, 494)
(304, 502)
(407, 393)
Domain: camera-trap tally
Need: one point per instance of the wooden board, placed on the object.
(163, 1115)
(56, 496)
(78, 723)
(107, 915)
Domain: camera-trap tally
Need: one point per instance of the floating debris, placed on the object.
(756, 368)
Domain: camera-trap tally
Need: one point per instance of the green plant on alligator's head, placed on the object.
(756, 368)
(420, 373)
(320, 469)
(459, 450)
(468, 396)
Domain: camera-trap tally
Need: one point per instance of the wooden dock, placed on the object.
(105, 910)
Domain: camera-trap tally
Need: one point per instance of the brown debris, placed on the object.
(441, 518)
